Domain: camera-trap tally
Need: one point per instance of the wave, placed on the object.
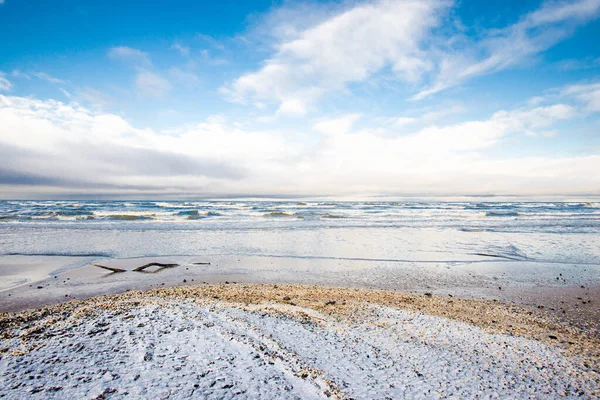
(502, 214)
(161, 204)
(130, 217)
(189, 213)
(278, 214)
(73, 213)
(332, 216)
(195, 214)
(52, 214)
(473, 230)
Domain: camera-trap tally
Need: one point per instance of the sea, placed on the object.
(553, 232)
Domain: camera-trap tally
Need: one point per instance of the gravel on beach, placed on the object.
(288, 341)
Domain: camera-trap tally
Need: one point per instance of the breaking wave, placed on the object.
(502, 214)
(278, 214)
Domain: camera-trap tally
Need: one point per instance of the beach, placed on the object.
(256, 304)
(257, 341)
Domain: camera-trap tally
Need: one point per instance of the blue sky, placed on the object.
(168, 99)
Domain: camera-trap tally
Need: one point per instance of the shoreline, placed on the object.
(572, 300)
(505, 337)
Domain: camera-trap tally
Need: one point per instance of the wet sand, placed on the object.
(17, 271)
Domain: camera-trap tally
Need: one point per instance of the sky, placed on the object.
(162, 99)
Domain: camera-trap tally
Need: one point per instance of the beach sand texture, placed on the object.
(283, 341)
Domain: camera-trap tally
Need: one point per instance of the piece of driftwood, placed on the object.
(113, 269)
(201, 263)
(155, 264)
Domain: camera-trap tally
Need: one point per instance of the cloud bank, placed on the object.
(49, 144)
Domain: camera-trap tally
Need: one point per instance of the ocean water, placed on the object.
(552, 232)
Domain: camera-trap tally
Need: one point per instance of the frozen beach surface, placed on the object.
(161, 347)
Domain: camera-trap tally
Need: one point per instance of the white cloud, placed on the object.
(94, 97)
(579, 64)
(441, 113)
(151, 84)
(20, 74)
(403, 121)
(5, 84)
(589, 94)
(442, 159)
(40, 75)
(500, 49)
(336, 126)
(425, 116)
(183, 50)
(585, 94)
(535, 118)
(66, 93)
(210, 41)
(186, 79)
(292, 107)
(147, 82)
(47, 77)
(477, 135)
(348, 47)
(560, 11)
(328, 51)
(50, 141)
(130, 55)
(208, 58)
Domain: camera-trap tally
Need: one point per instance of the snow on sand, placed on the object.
(289, 343)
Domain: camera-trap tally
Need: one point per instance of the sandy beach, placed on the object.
(281, 341)
(284, 341)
